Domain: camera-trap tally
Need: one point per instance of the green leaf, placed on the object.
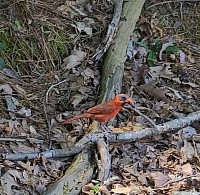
(95, 189)
(172, 49)
(2, 63)
(3, 46)
(17, 24)
(151, 58)
(157, 45)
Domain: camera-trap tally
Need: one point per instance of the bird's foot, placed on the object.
(106, 131)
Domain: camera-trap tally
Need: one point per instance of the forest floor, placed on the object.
(48, 72)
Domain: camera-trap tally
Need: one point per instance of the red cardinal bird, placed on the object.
(105, 111)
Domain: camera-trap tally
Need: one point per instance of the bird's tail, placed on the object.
(70, 120)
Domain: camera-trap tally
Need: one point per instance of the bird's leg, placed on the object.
(106, 131)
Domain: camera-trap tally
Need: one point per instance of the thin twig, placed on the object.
(28, 117)
(181, 179)
(49, 125)
(146, 117)
(20, 139)
(51, 87)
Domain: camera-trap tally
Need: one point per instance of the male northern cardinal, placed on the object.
(105, 111)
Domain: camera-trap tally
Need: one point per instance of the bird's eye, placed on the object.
(123, 98)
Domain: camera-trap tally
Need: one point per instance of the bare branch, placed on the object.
(113, 138)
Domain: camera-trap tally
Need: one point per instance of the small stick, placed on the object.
(51, 87)
(20, 139)
(146, 117)
(181, 179)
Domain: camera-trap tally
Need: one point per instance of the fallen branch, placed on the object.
(57, 153)
(113, 138)
(104, 171)
(163, 128)
(180, 179)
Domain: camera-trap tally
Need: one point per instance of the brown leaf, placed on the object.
(159, 179)
(104, 190)
(74, 59)
(152, 90)
(187, 151)
(187, 169)
(76, 99)
(86, 189)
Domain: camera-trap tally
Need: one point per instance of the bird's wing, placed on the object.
(102, 109)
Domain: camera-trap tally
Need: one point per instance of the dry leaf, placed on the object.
(11, 73)
(24, 111)
(187, 132)
(7, 90)
(182, 57)
(8, 180)
(187, 151)
(76, 99)
(33, 131)
(159, 179)
(125, 190)
(88, 72)
(84, 26)
(22, 148)
(70, 9)
(131, 50)
(86, 189)
(152, 90)
(187, 169)
(74, 59)
(40, 187)
(161, 71)
(104, 190)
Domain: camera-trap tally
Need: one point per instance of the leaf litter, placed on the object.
(157, 72)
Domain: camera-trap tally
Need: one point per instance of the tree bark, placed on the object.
(113, 67)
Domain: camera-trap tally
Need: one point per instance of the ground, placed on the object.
(48, 72)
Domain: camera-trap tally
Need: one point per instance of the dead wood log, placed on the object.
(81, 170)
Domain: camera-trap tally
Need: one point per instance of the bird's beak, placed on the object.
(130, 101)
